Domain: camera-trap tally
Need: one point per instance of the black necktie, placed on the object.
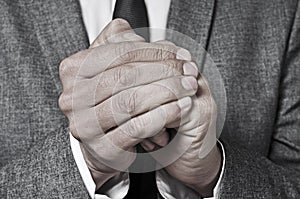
(142, 185)
(135, 12)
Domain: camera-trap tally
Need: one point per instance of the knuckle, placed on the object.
(159, 53)
(66, 71)
(207, 110)
(129, 78)
(131, 102)
(64, 102)
(105, 81)
(162, 140)
(73, 130)
(167, 93)
(172, 112)
(166, 51)
(175, 67)
(63, 67)
(167, 69)
(70, 66)
(136, 126)
(125, 76)
(126, 51)
(169, 88)
(132, 127)
(61, 103)
(118, 74)
(178, 66)
(127, 102)
(177, 111)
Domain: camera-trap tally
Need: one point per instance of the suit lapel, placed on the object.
(60, 31)
(192, 18)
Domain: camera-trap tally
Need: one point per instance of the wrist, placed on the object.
(100, 174)
(210, 173)
(100, 178)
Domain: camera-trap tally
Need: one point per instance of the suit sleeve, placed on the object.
(249, 175)
(48, 171)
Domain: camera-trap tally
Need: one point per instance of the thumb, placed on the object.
(118, 30)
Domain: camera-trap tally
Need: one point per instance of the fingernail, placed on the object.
(189, 83)
(183, 54)
(185, 103)
(190, 68)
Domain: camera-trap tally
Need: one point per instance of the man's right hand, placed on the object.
(120, 92)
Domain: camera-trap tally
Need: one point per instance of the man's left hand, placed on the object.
(200, 164)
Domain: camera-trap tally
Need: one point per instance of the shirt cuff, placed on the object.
(171, 188)
(115, 188)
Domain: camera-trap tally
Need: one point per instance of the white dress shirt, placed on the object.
(96, 15)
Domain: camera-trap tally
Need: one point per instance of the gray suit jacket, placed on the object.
(255, 43)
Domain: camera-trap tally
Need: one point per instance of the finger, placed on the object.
(135, 74)
(156, 142)
(178, 123)
(89, 63)
(148, 124)
(204, 108)
(131, 102)
(109, 56)
(202, 122)
(110, 148)
(117, 79)
(116, 31)
(182, 53)
(190, 68)
(132, 75)
(113, 81)
(159, 140)
(148, 145)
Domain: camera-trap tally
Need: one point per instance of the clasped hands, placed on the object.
(123, 91)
